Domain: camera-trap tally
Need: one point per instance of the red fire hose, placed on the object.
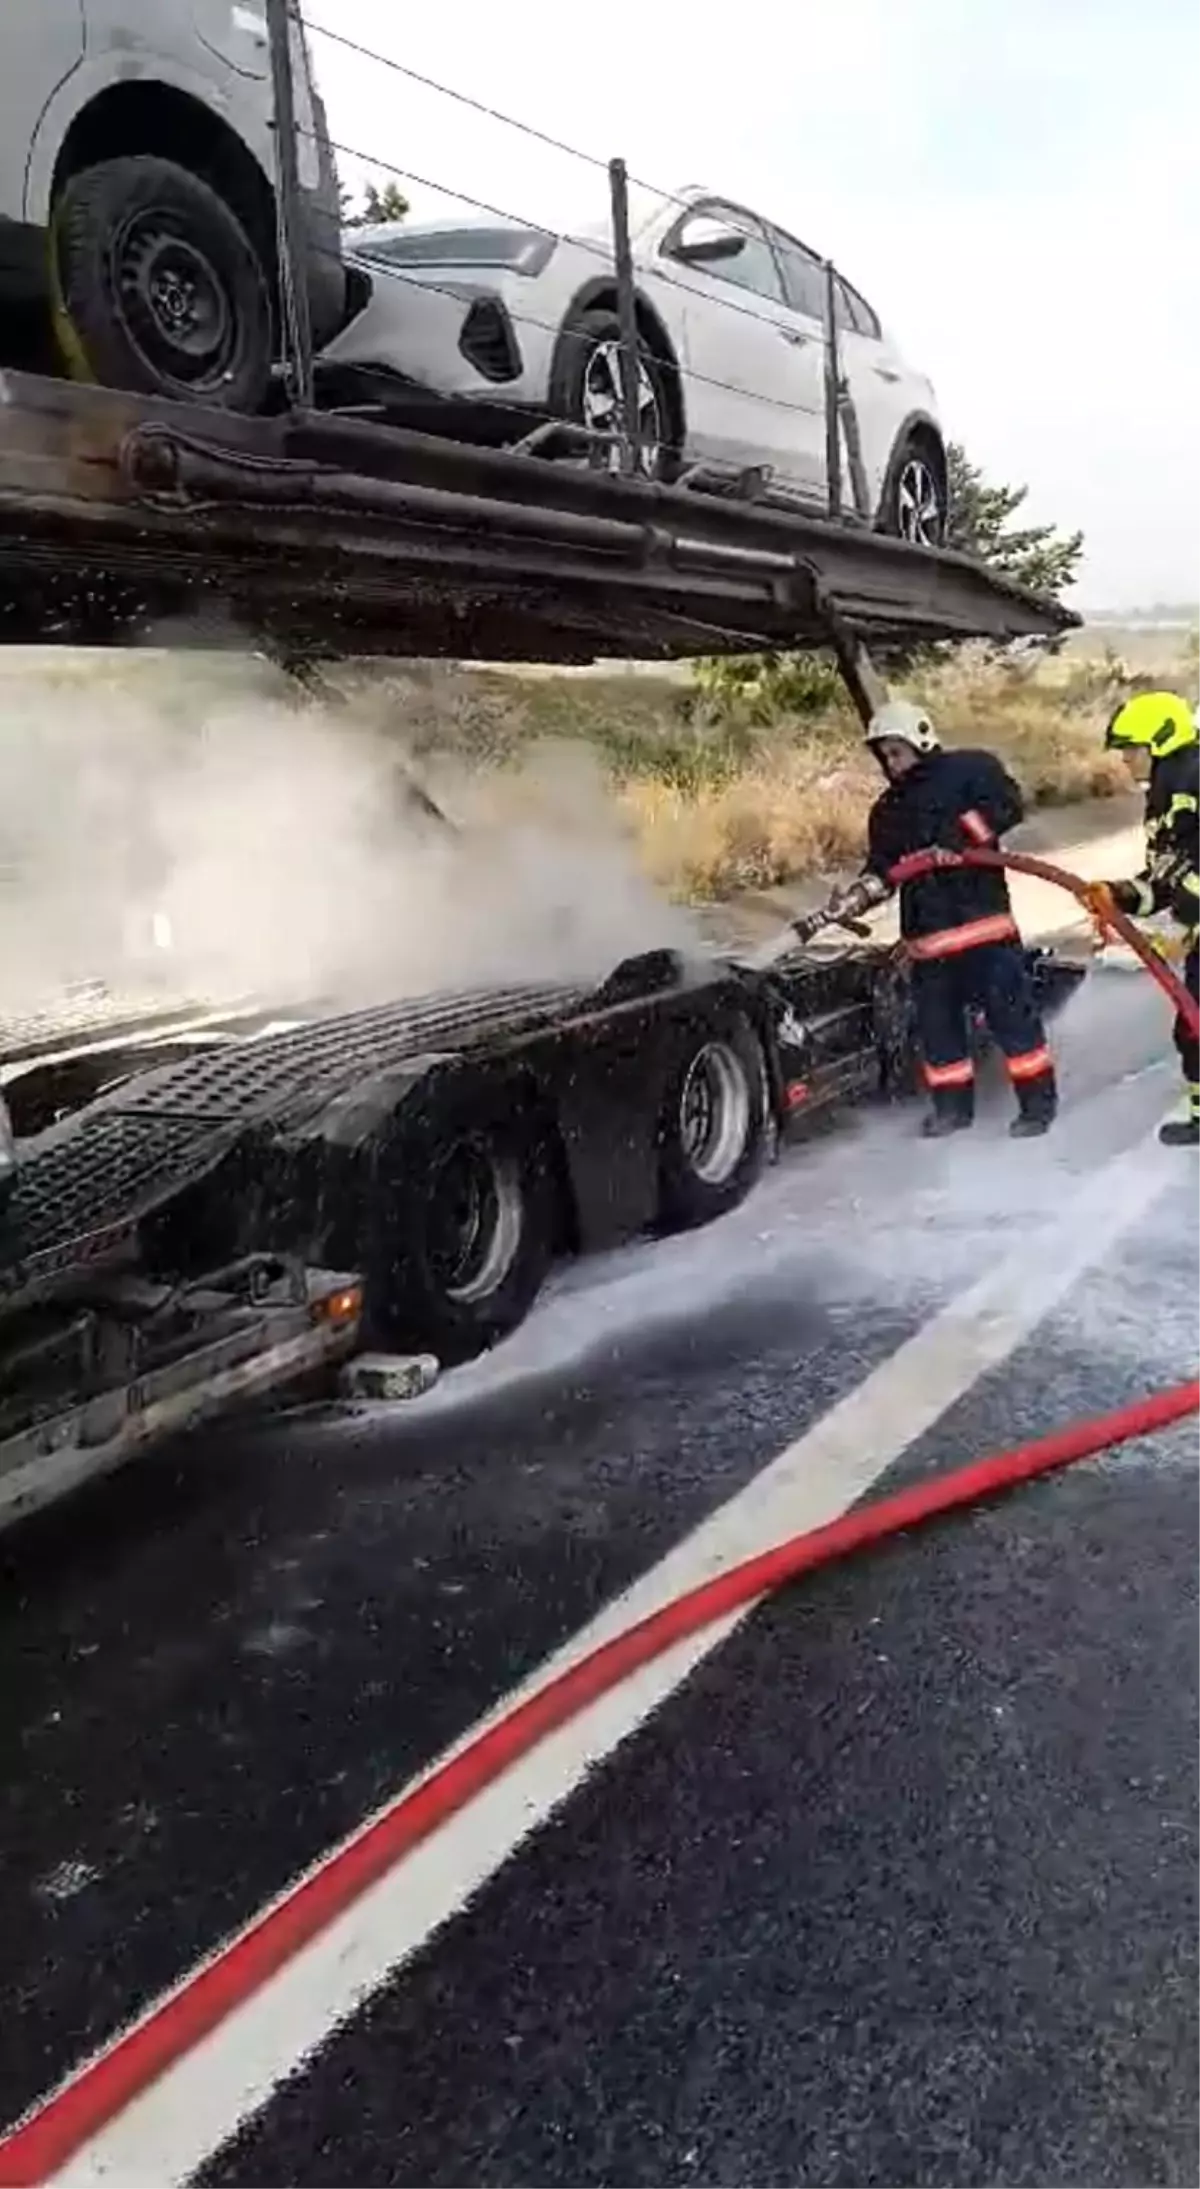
(925, 862)
(77, 2112)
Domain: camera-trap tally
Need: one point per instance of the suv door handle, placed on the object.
(886, 372)
(795, 336)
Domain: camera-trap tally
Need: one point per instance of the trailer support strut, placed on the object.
(859, 674)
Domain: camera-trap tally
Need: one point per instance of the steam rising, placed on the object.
(280, 850)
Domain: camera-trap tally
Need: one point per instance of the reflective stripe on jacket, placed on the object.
(1170, 879)
(954, 801)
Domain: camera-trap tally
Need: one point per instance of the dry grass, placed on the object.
(776, 820)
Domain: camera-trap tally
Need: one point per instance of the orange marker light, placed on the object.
(344, 1306)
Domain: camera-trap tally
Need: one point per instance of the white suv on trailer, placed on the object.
(490, 319)
(137, 212)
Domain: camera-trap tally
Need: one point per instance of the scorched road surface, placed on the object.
(895, 1884)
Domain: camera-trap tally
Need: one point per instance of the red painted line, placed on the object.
(98, 2092)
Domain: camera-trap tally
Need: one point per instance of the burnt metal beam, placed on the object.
(334, 535)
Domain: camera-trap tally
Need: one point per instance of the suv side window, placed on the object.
(804, 287)
(859, 314)
(803, 276)
(754, 267)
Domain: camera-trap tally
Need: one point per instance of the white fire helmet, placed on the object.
(903, 719)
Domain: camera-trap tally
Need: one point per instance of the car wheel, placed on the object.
(159, 288)
(588, 392)
(463, 1234)
(713, 1129)
(916, 503)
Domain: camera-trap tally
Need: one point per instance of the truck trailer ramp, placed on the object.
(320, 534)
(84, 1185)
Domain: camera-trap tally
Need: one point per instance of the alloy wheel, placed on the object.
(920, 509)
(602, 404)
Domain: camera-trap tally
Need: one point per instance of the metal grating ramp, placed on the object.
(284, 1075)
(76, 1187)
(103, 1170)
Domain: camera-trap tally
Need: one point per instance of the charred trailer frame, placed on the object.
(174, 1248)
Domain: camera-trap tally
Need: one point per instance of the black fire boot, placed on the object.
(1038, 1107)
(953, 1112)
(1184, 1132)
(1180, 1132)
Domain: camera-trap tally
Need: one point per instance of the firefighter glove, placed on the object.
(1127, 896)
(1102, 900)
(854, 898)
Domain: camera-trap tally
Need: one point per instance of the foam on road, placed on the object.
(369, 1587)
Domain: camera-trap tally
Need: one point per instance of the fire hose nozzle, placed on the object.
(812, 924)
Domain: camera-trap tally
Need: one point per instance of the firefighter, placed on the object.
(1157, 734)
(957, 923)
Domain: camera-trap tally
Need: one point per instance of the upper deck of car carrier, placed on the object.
(325, 534)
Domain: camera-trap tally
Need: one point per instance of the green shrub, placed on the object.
(769, 688)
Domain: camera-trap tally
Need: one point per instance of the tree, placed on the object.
(1037, 556)
(380, 202)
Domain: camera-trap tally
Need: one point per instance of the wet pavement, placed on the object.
(899, 1884)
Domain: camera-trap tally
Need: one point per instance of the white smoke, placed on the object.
(278, 850)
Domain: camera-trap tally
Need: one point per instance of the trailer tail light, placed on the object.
(340, 1307)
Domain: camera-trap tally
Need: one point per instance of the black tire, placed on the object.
(713, 1128)
(159, 288)
(440, 1285)
(916, 502)
(589, 337)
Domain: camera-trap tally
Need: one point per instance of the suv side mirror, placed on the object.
(705, 242)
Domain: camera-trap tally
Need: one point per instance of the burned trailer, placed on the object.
(175, 1246)
(248, 1217)
(447, 1147)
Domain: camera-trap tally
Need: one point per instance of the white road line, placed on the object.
(200, 2102)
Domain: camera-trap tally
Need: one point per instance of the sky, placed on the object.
(1015, 185)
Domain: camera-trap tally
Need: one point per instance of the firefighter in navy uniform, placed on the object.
(1158, 730)
(956, 922)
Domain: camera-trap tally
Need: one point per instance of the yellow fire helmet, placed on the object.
(1159, 721)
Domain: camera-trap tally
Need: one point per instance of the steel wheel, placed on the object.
(920, 505)
(476, 1215)
(714, 1114)
(175, 305)
(603, 411)
(158, 287)
(459, 1227)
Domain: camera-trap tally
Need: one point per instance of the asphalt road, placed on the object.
(897, 1885)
